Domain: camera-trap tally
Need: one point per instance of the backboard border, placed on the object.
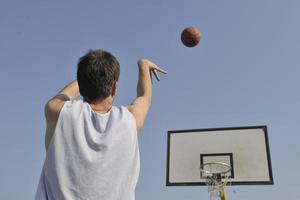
(263, 127)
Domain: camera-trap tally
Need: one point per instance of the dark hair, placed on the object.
(97, 71)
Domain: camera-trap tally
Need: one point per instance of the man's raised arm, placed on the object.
(55, 104)
(139, 108)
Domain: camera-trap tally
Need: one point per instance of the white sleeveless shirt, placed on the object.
(91, 156)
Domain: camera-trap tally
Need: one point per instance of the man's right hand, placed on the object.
(153, 68)
(139, 107)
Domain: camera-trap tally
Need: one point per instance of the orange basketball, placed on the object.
(190, 36)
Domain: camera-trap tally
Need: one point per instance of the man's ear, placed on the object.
(114, 89)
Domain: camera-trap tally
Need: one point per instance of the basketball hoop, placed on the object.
(216, 175)
(207, 158)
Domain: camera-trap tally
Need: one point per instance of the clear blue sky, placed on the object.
(245, 72)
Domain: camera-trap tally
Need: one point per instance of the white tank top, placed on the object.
(91, 156)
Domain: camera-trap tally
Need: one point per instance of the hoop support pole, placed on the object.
(223, 195)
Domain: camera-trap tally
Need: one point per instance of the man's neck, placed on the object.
(102, 106)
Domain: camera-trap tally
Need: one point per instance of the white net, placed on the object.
(216, 187)
(217, 175)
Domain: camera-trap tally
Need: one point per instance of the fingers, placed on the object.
(156, 75)
(154, 68)
(161, 70)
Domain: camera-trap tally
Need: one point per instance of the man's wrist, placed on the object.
(143, 63)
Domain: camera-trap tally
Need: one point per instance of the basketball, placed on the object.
(190, 36)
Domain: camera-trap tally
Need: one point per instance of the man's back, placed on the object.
(89, 155)
(91, 152)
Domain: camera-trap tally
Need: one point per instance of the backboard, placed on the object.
(244, 149)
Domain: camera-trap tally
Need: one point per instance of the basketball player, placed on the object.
(92, 147)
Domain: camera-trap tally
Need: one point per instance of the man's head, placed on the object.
(97, 75)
